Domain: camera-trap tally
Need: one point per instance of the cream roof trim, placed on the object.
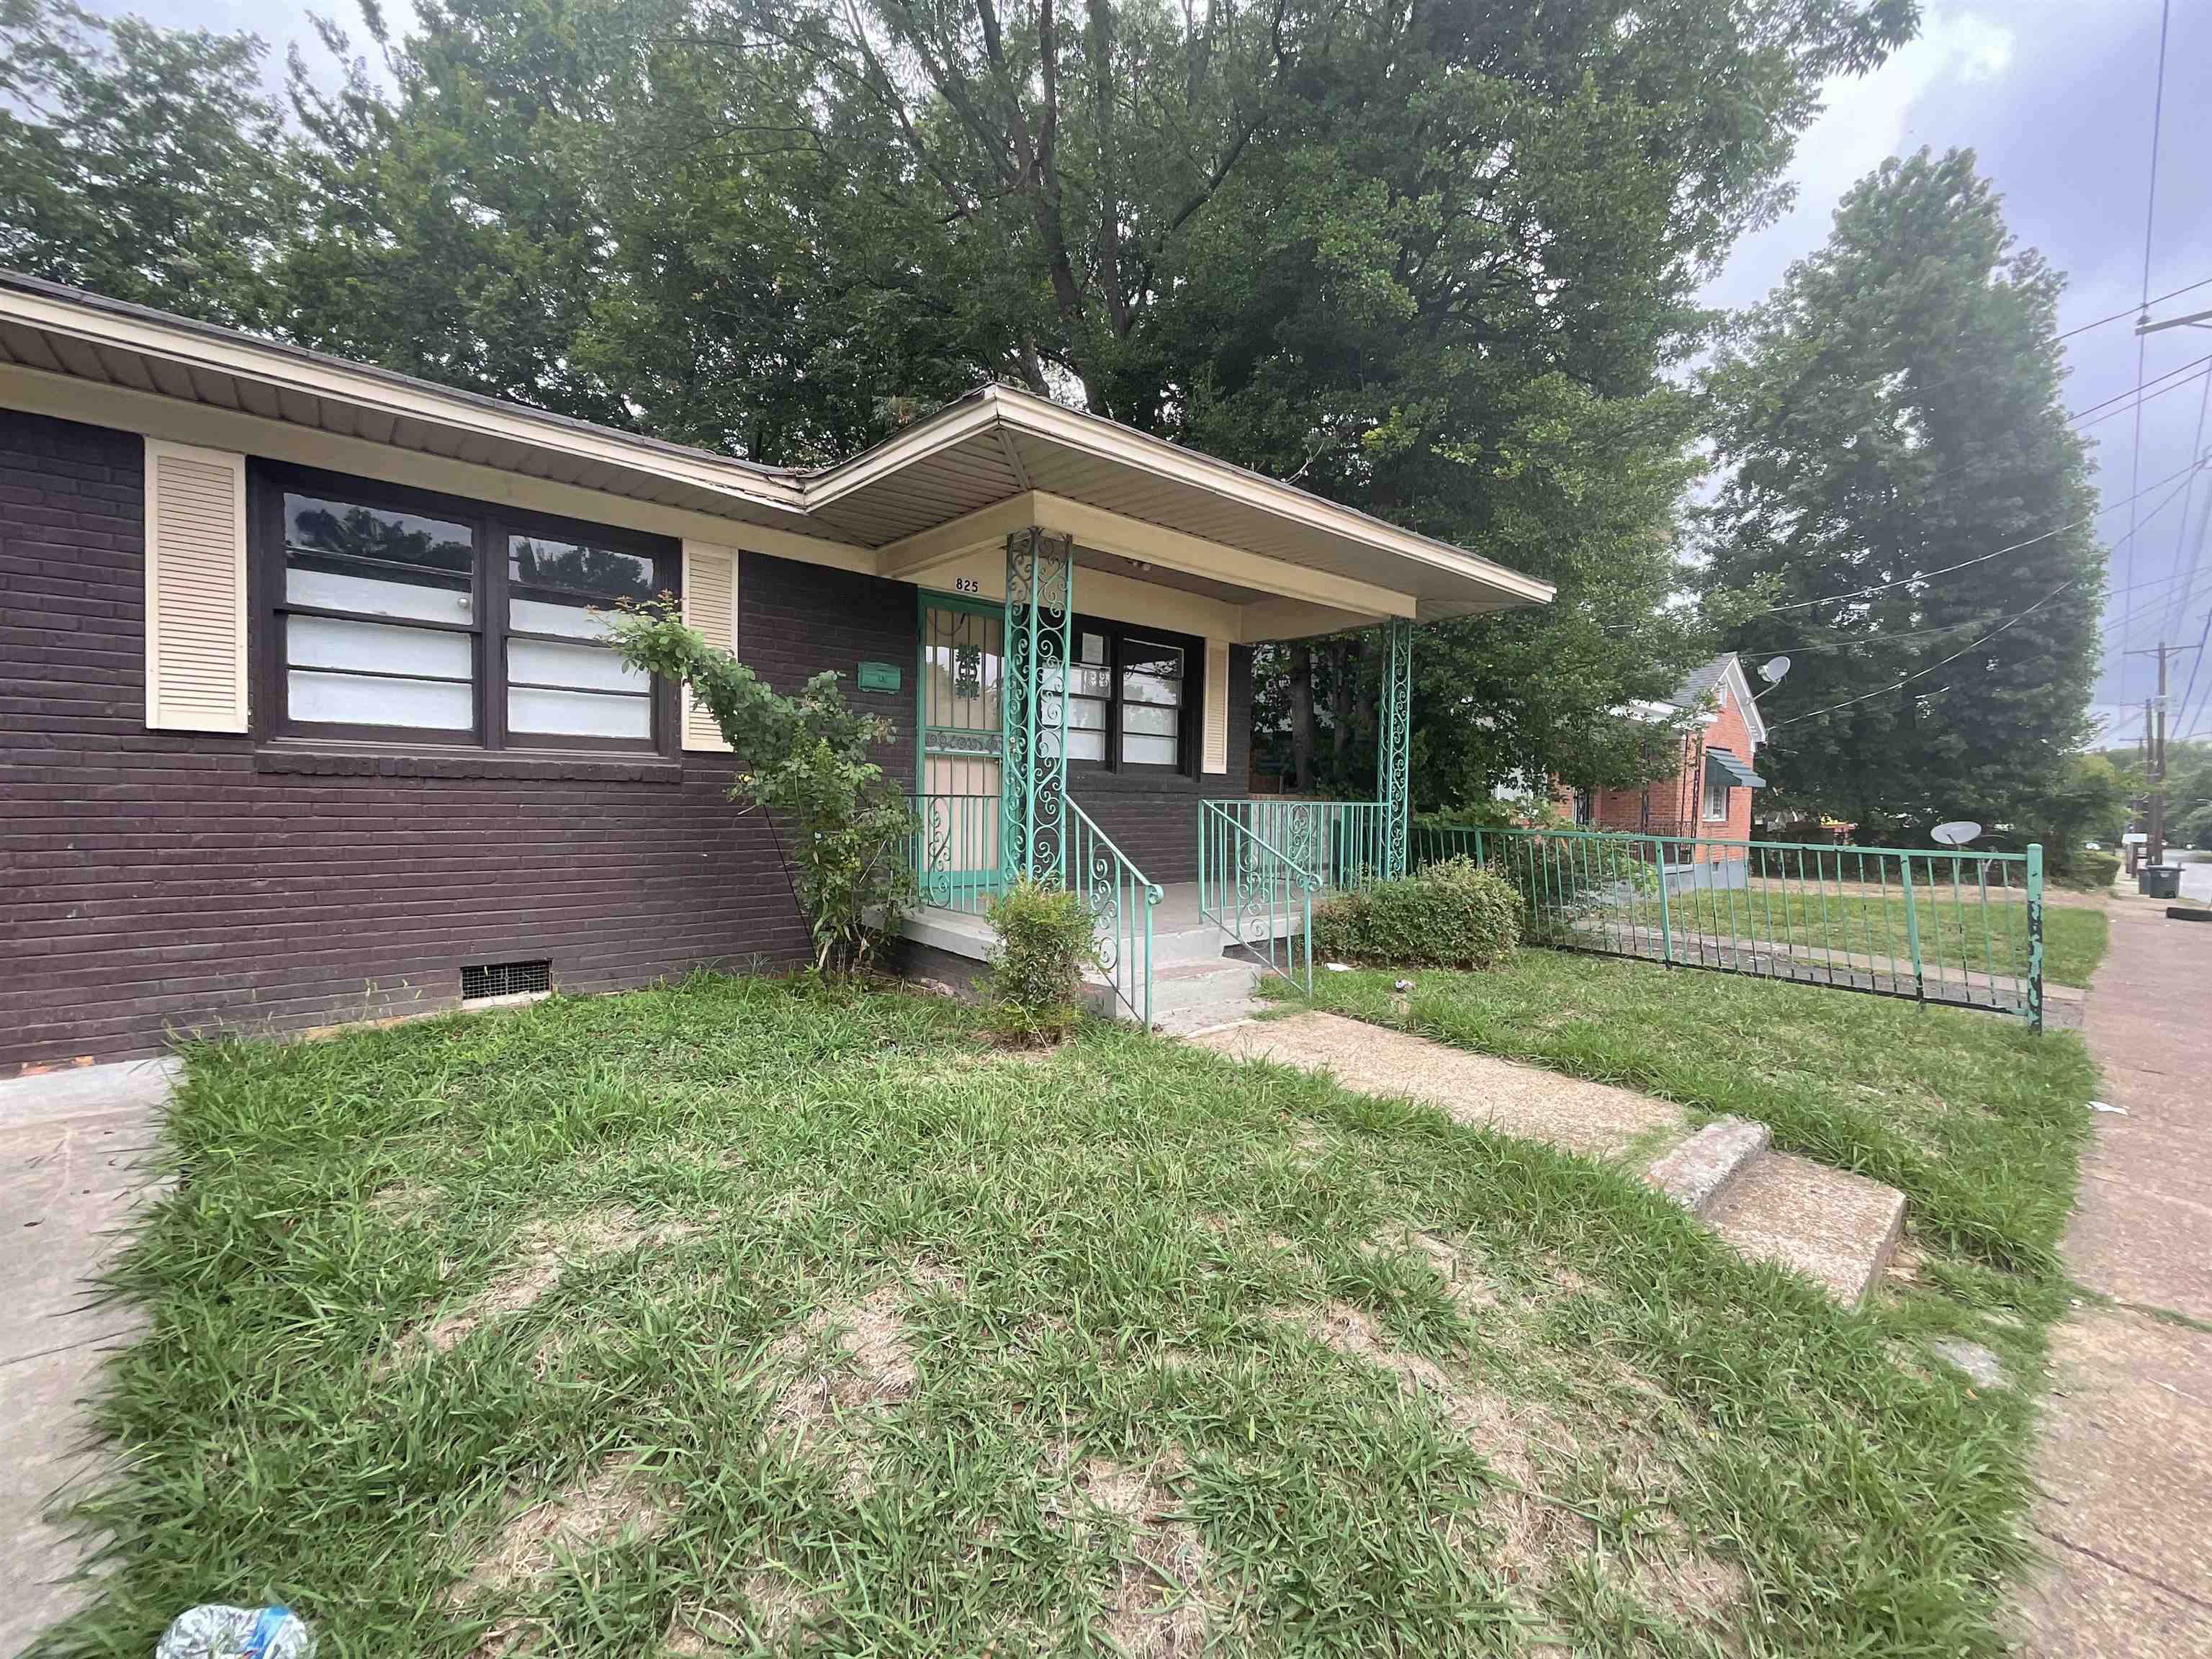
(1003, 407)
(151, 353)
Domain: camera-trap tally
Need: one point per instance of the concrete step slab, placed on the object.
(1697, 1172)
(1839, 1229)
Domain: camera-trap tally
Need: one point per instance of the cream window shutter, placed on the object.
(1216, 756)
(195, 588)
(710, 606)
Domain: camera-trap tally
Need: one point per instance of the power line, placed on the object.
(2009, 622)
(1911, 636)
(2150, 218)
(2137, 391)
(2136, 311)
(2181, 530)
(2136, 407)
(1981, 558)
(2196, 661)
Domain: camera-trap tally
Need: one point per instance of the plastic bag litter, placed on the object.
(221, 1632)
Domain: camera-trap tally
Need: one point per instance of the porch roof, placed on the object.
(993, 460)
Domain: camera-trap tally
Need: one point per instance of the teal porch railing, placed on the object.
(1343, 844)
(1937, 925)
(1255, 891)
(956, 851)
(1121, 902)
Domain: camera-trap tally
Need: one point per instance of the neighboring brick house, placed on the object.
(309, 716)
(1708, 794)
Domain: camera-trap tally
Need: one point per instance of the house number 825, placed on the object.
(967, 585)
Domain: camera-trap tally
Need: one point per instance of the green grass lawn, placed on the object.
(1978, 1121)
(742, 1315)
(1956, 936)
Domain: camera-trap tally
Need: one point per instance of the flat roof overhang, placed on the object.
(986, 463)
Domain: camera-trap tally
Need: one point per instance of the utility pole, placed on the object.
(2154, 753)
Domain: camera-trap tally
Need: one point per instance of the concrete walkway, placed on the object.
(2126, 1460)
(1838, 1229)
(73, 1148)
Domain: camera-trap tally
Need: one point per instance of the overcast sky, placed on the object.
(2054, 96)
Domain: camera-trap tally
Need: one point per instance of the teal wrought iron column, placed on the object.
(1033, 773)
(1393, 757)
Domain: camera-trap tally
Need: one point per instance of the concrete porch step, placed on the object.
(1839, 1229)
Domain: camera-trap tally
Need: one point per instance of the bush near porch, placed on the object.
(1451, 913)
(745, 1313)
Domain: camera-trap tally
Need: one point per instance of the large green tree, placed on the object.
(145, 164)
(1434, 261)
(1891, 413)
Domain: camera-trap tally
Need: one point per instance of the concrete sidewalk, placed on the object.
(73, 1156)
(2125, 1460)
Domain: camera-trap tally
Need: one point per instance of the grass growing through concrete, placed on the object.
(742, 1315)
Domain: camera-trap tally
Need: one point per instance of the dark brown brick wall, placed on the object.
(154, 882)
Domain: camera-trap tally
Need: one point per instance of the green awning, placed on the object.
(1721, 767)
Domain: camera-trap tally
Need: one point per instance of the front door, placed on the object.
(962, 665)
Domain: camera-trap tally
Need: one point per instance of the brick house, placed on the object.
(1709, 792)
(308, 717)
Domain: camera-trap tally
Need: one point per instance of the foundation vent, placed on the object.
(487, 980)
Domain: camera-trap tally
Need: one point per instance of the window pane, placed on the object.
(377, 649)
(1152, 673)
(579, 714)
(1148, 751)
(577, 568)
(578, 668)
(1086, 745)
(369, 699)
(344, 556)
(1091, 647)
(1155, 722)
(540, 616)
(1087, 713)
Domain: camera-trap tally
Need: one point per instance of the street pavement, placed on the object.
(2125, 1461)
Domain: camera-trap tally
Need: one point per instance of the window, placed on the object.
(1152, 703)
(1128, 700)
(1716, 799)
(1090, 699)
(399, 616)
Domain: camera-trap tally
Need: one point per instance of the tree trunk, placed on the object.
(1302, 716)
(1343, 666)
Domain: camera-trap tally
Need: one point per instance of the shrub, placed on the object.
(804, 761)
(1452, 915)
(1045, 942)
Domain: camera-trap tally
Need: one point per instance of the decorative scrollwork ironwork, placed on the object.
(1105, 906)
(1039, 597)
(1394, 758)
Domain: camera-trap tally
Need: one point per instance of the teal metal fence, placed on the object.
(1937, 925)
(1121, 902)
(1255, 891)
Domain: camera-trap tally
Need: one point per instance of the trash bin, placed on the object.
(2159, 881)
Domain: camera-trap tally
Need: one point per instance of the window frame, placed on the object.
(1705, 807)
(490, 526)
(1188, 734)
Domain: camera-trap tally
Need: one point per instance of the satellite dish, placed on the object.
(1773, 669)
(1957, 833)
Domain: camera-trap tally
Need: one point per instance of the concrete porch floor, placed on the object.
(1177, 915)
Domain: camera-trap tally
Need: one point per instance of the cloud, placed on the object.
(1866, 120)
